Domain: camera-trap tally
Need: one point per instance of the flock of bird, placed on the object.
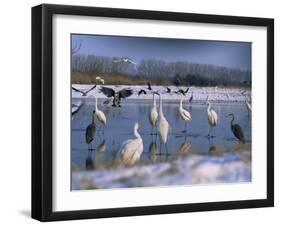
(131, 149)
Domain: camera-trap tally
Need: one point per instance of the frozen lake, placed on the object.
(194, 143)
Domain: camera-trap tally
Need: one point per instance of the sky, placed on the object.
(221, 53)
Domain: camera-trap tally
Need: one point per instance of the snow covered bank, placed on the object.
(193, 169)
(200, 94)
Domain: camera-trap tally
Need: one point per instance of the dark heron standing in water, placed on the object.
(91, 131)
(117, 96)
(236, 129)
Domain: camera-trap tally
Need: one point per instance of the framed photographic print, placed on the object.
(146, 112)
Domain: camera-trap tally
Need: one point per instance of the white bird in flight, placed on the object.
(132, 149)
(124, 60)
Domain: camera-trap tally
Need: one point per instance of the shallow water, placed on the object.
(119, 127)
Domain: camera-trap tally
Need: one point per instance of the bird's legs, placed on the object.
(90, 147)
(185, 126)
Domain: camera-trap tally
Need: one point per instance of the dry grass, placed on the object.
(115, 79)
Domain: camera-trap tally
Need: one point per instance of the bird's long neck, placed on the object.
(232, 120)
(96, 104)
(209, 107)
(136, 133)
(154, 101)
(181, 103)
(93, 118)
(160, 107)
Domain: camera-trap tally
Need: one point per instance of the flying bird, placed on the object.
(236, 129)
(181, 91)
(117, 96)
(212, 117)
(76, 107)
(124, 60)
(168, 90)
(149, 86)
(142, 91)
(84, 93)
(132, 149)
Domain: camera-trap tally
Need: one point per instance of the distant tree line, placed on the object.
(180, 71)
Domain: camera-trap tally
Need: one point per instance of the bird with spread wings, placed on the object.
(117, 96)
(84, 93)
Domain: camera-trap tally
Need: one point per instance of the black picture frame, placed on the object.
(42, 95)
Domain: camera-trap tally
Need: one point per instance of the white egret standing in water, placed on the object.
(163, 125)
(185, 115)
(100, 115)
(212, 117)
(132, 149)
(153, 116)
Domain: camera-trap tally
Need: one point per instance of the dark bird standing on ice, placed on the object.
(117, 96)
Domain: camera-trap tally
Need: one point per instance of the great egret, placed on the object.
(185, 115)
(84, 93)
(153, 116)
(212, 117)
(90, 131)
(100, 115)
(163, 125)
(236, 129)
(132, 149)
(117, 96)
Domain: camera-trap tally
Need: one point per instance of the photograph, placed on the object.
(157, 111)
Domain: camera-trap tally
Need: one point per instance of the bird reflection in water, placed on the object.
(185, 147)
(153, 150)
(102, 146)
(89, 162)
